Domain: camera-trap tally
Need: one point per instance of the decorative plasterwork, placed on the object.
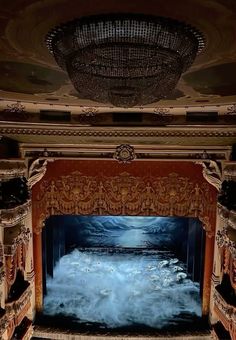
(228, 255)
(102, 132)
(124, 153)
(125, 194)
(212, 173)
(163, 115)
(230, 172)
(23, 237)
(2, 271)
(37, 170)
(15, 107)
(10, 217)
(223, 240)
(226, 313)
(11, 169)
(17, 309)
(228, 216)
(231, 110)
(3, 323)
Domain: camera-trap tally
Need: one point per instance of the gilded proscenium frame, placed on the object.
(125, 194)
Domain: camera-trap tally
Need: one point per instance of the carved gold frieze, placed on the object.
(171, 195)
(11, 217)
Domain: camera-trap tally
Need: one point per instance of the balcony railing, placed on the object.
(11, 217)
(17, 309)
(226, 313)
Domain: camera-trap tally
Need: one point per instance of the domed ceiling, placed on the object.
(29, 72)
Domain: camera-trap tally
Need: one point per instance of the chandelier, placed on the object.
(124, 59)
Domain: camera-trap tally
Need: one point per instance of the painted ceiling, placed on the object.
(29, 72)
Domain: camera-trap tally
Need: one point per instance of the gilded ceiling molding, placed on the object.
(125, 194)
(82, 132)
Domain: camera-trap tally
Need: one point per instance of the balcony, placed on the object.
(14, 236)
(11, 169)
(11, 217)
(24, 331)
(226, 313)
(18, 306)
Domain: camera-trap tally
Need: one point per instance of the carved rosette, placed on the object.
(125, 194)
(124, 153)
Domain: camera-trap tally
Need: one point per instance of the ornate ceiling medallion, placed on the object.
(124, 153)
(124, 59)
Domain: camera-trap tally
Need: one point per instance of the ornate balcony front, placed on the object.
(226, 313)
(3, 322)
(13, 237)
(17, 309)
(11, 169)
(11, 217)
(24, 331)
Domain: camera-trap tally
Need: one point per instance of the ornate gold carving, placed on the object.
(124, 153)
(3, 323)
(10, 217)
(11, 169)
(22, 238)
(16, 310)
(118, 133)
(125, 194)
(228, 216)
(226, 313)
(230, 172)
(212, 173)
(36, 171)
(2, 271)
(222, 240)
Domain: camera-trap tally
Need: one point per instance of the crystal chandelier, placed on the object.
(124, 59)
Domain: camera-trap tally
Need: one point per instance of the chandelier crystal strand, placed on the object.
(124, 59)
